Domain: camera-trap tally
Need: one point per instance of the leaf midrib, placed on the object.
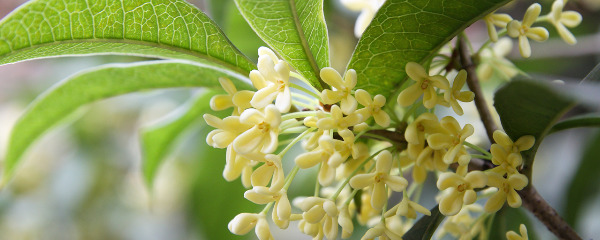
(304, 42)
(199, 55)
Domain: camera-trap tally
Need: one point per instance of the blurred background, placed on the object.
(82, 180)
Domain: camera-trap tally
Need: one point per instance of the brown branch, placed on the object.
(473, 82)
(534, 202)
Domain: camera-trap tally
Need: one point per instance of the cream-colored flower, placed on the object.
(407, 208)
(523, 30)
(453, 95)
(494, 59)
(429, 160)
(462, 226)
(460, 190)
(507, 162)
(500, 20)
(345, 221)
(338, 121)
(263, 136)
(390, 229)
(426, 123)
(270, 171)
(282, 210)
(379, 180)
(326, 154)
(452, 139)
(272, 81)
(227, 130)
(342, 92)
(372, 107)
(511, 235)
(236, 165)
(367, 9)
(506, 190)
(522, 144)
(312, 140)
(320, 210)
(561, 20)
(244, 222)
(239, 100)
(424, 86)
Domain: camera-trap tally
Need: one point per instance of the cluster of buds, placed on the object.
(363, 153)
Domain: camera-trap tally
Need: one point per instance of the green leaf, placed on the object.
(585, 184)
(157, 140)
(293, 28)
(160, 28)
(529, 108)
(426, 226)
(509, 219)
(410, 31)
(100, 83)
(587, 120)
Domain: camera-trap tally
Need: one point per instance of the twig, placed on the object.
(473, 82)
(534, 202)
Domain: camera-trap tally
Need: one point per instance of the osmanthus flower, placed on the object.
(372, 107)
(425, 85)
(345, 221)
(282, 210)
(390, 229)
(462, 226)
(522, 144)
(453, 95)
(452, 139)
(367, 9)
(511, 235)
(323, 212)
(342, 91)
(227, 130)
(263, 136)
(239, 100)
(507, 162)
(426, 123)
(407, 208)
(272, 81)
(366, 212)
(523, 30)
(379, 179)
(496, 19)
(506, 190)
(270, 171)
(327, 154)
(362, 153)
(338, 120)
(563, 19)
(493, 59)
(312, 141)
(429, 160)
(236, 165)
(244, 222)
(460, 190)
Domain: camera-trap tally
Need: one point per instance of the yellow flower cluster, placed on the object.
(346, 137)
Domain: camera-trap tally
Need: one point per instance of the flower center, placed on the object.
(264, 127)
(425, 84)
(420, 127)
(379, 177)
(462, 187)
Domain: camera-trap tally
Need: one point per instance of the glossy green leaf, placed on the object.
(410, 31)
(587, 120)
(530, 108)
(585, 185)
(426, 226)
(293, 28)
(158, 139)
(158, 28)
(509, 219)
(100, 83)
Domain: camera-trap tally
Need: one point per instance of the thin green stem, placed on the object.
(266, 209)
(290, 177)
(296, 140)
(296, 86)
(488, 42)
(317, 184)
(410, 111)
(304, 114)
(477, 148)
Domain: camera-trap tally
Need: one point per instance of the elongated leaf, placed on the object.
(426, 226)
(99, 83)
(293, 28)
(410, 31)
(529, 108)
(588, 120)
(585, 185)
(509, 219)
(158, 28)
(157, 140)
